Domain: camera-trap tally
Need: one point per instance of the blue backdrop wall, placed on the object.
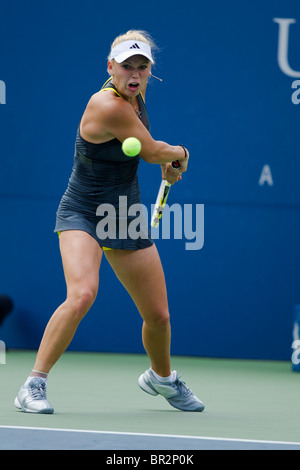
(231, 94)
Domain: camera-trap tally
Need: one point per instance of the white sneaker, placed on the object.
(32, 397)
(176, 393)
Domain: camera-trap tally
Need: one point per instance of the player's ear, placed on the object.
(109, 67)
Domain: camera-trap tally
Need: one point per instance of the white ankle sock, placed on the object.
(170, 378)
(37, 373)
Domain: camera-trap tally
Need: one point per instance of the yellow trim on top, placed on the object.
(117, 93)
(140, 93)
(104, 89)
(108, 80)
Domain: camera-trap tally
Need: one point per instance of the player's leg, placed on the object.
(142, 275)
(81, 256)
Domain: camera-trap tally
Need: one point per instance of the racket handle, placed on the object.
(175, 165)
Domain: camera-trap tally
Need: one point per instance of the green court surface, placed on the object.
(245, 400)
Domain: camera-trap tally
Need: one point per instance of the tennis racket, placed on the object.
(161, 199)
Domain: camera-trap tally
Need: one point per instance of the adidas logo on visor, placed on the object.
(135, 46)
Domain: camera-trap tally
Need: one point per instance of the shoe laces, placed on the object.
(38, 391)
(182, 387)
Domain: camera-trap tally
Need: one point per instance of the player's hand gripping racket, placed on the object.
(162, 197)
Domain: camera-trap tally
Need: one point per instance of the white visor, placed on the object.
(126, 49)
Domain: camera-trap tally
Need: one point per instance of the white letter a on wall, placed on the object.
(266, 176)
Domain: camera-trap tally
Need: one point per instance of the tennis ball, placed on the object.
(131, 147)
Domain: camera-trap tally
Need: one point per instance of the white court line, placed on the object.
(253, 441)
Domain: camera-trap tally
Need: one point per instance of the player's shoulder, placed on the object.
(107, 103)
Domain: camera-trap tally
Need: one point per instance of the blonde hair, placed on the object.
(135, 35)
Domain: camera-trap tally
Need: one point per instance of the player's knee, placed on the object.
(82, 301)
(159, 319)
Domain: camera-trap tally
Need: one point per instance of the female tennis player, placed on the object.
(101, 174)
